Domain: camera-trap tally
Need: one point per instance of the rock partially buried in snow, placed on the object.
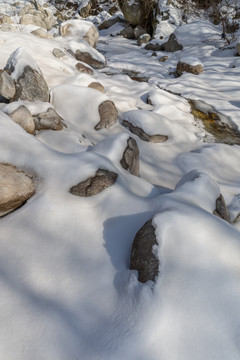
(16, 187)
(143, 253)
(130, 159)
(143, 39)
(221, 209)
(7, 87)
(58, 53)
(238, 47)
(172, 44)
(84, 9)
(163, 58)
(43, 34)
(143, 135)
(81, 29)
(108, 115)
(88, 59)
(97, 86)
(48, 120)
(83, 68)
(30, 83)
(23, 117)
(95, 184)
(190, 65)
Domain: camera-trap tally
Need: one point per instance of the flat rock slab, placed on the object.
(143, 258)
(95, 184)
(16, 187)
(143, 135)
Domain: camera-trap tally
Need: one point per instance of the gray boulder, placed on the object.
(184, 66)
(106, 24)
(172, 44)
(95, 184)
(132, 11)
(88, 59)
(7, 87)
(143, 135)
(143, 255)
(16, 187)
(48, 120)
(108, 115)
(130, 159)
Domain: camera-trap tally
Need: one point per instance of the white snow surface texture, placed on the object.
(67, 292)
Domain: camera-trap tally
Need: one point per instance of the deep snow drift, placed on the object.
(66, 289)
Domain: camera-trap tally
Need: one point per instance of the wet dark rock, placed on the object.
(95, 184)
(143, 258)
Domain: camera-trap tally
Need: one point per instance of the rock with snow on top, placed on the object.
(80, 29)
(7, 87)
(43, 34)
(156, 138)
(143, 253)
(108, 115)
(48, 120)
(16, 187)
(143, 39)
(190, 65)
(127, 32)
(95, 184)
(5, 19)
(83, 68)
(23, 117)
(30, 83)
(97, 86)
(84, 10)
(130, 159)
(138, 31)
(172, 44)
(106, 24)
(88, 59)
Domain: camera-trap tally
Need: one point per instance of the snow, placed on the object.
(66, 288)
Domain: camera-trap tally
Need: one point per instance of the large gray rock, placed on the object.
(48, 120)
(58, 53)
(221, 209)
(132, 11)
(30, 83)
(7, 87)
(95, 184)
(88, 59)
(38, 20)
(130, 159)
(143, 258)
(16, 187)
(108, 115)
(143, 135)
(23, 117)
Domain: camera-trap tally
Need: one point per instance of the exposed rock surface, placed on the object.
(138, 31)
(143, 258)
(108, 115)
(132, 11)
(143, 135)
(95, 184)
(97, 86)
(127, 32)
(7, 87)
(48, 120)
(110, 22)
(130, 160)
(73, 28)
(172, 44)
(143, 39)
(221, 209)
(15, 188)
(42, 33)
(58, 53)
(163, 58)
(84, 11)
(23, 117)
(88, 59)
(84, 69)
(184, 66)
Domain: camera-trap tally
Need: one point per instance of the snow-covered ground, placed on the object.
(66, 289)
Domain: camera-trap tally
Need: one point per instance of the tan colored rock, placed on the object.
(108, 115)
(39, 19)
(23, 117)
(185, 67)
(16, 187)
(97, 86)
(84, 69)
(163, 58)
(130, 159)
(58, 53)
(48, 120)
(143, 39)
(88, 59)
(5, 19)
(73, 28)
(42, 33)
(7, 86)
